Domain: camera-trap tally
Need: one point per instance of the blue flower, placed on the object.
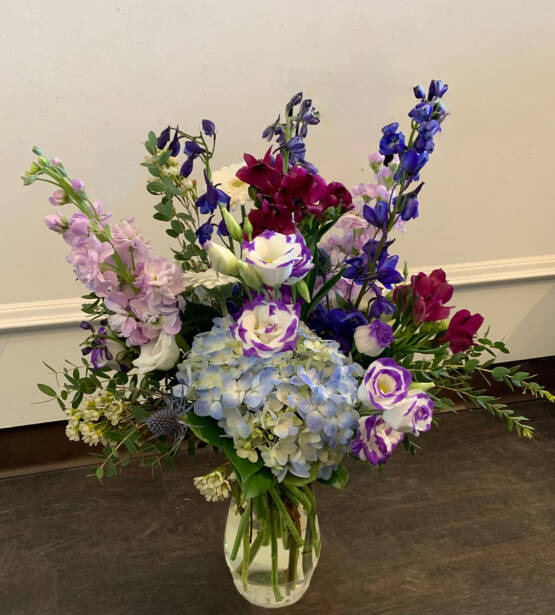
(378, 216)
(208, 202)
(204, 231)
(437, 89)
(419, 91)
(163, 138)
(392, 142)
(270, 130)
(193, 149)
(174, 145)
(186, 167)
(412, 161)
(337, 325)
(380, 305)
(410, 209)
(421, 112)
(208, 128)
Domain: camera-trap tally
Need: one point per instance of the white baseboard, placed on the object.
(66, 312)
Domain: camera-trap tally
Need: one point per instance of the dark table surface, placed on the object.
(465, 528)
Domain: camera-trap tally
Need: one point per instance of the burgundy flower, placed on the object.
(271, 217)
(300, 192)
(461, 331)
(264, 174)
(430, 293)
(336, 193)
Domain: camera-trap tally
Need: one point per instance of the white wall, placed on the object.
(87, 80)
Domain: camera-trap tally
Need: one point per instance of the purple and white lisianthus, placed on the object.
(413, 414)
(375, 440)
(278, 258)
(385, 384)
(266, 327)
(372, 339)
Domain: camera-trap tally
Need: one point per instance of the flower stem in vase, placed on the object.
(274, 543)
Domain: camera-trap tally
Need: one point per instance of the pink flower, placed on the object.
(300, 192)
(77, 185)
(264, 174)
(55, 222)
(58, 198)
(87, 258)
(430, 293)
(461, 331)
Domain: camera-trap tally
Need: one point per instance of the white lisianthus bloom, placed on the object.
(237, 190)
(278, 258)
(413, 414)
(161, 353)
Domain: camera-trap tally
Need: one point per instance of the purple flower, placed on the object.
(208, 202)
(266, 327)
(413, 414)
(193, 149)
(174, 145)
(58, 198)
(163, 139)
(375, 440)
(336, 325)
(372, 339)
(204, 231)
(208, 128)
(385, 384)
(77, 185)
(57, 223)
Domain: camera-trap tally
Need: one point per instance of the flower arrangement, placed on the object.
(282, 330)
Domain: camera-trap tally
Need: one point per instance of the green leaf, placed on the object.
(165, 209)
(307, 308)
(257, 483)
(338, 478)
(164, 157)
(204, 428)
(471, 365)
(297, 481)
(99, 472)
(44, 388)
(87, 386)
(499, 372)
(243, 467)
(155, 187)
(139, 413)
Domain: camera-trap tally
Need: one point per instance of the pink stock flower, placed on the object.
(87, 258)
(58, 198)
(55, 222)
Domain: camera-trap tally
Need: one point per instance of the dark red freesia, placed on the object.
(461, 331)
(336, 194)
(300, 192)
(264, 174)
(430, 293)
(271, 217)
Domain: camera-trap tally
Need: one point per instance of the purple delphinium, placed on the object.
(337, 325)
(375, 440)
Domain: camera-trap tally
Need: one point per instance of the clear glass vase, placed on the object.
(272, 545)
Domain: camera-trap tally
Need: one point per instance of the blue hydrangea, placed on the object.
(292, 410)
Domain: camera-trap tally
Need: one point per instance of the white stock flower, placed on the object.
(161, 353)
(237, 190)
(214, 486)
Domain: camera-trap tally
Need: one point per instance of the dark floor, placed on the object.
(465, 528)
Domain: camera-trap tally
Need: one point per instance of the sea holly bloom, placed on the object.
(372, 339)
(278, 258)
(461, 331)
(413, 414)
(375, 440)
(266, 327)
(385, 384)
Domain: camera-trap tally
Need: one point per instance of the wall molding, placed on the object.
(67, 312)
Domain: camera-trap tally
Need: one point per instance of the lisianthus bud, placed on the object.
(232, 225)
(302, 289)
(247, 227)
(249, 275)
(222, 259)
(373, 338)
